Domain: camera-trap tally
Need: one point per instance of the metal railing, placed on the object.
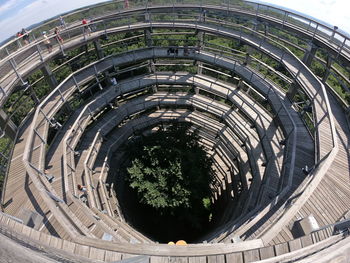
(285, 51)
(101, 24)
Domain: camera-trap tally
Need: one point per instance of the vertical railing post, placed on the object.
(313, 35)
(308, 27)
(341, 48)
(16, 71)
(62, 97)
(61, 47)
(75, 82)
(84, 32)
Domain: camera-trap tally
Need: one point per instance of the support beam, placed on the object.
(240, 84)
(328, 68)
(33, 95)
(148, 38)
(49, 76)
(266, 28)
(255, 24)
(292, 90)
(7, 125)
(200, 36)
(149, 43)
(154, 88)
(248, 59)
(98, 48)
(151, 66)
(310, 53)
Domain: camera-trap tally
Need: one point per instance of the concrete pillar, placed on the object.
(98, 48)
(310, 53)
(49, 76)
(7, 125)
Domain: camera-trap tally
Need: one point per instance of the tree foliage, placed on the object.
(170, 169)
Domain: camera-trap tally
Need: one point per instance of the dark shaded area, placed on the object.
(176, 218)
(163, 226)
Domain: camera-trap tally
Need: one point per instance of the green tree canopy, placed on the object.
(169, 169)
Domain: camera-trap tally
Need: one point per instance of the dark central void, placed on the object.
(163, 184)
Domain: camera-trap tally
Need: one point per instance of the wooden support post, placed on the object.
(32, 94)
(51, 79)
(328, 68)
(98, 48)
(148, 38)
(310, 53)
(240, 84)
(151, 66)
(292, 90)
(149, 43)
(154, 88)
(266, 28)
(255, 24)
(7, 125)
(200, 36)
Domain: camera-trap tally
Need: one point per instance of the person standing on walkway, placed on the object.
(58, 36)
(62, 22)
(82, 188)
(47, 42)
(87, 29)
(126, 3)
(25, 36)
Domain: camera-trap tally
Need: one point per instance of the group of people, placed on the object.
(47, 40)
(175, 50)
(24, 34)
(58, 37)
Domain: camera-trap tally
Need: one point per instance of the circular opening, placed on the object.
(164, 183)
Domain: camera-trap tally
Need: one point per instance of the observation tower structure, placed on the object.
(266, 89)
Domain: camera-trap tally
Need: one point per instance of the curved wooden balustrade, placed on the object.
(134, 53)
(267, 223)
